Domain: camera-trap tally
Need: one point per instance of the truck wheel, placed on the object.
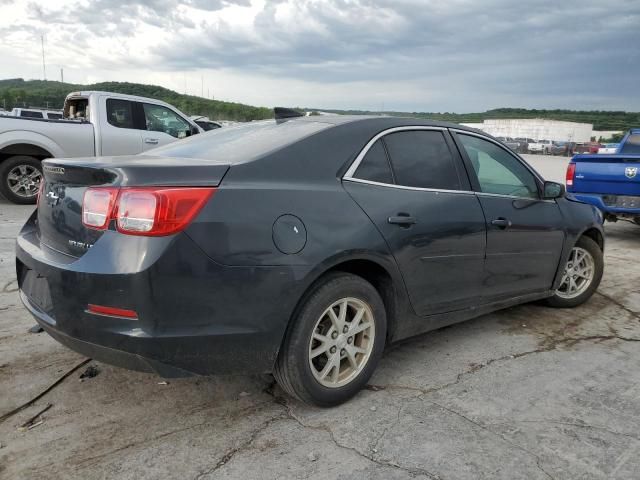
(335, 342)
(20, 178)
(581, 275)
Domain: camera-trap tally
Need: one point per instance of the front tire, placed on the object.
(20, 178)
(581, 276)
(335, 342)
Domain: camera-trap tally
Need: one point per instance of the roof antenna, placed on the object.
(283, 114)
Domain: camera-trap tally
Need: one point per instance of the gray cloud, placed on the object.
(464, 53)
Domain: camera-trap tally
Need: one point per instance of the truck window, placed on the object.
(632, 145)
(120, 113)
(31, 114)
(54, 116)
(162, 119)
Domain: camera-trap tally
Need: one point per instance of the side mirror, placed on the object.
(553, 190)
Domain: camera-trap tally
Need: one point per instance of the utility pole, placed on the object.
(44, 68)
(61, 75)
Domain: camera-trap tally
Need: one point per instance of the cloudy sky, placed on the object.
(411, 55)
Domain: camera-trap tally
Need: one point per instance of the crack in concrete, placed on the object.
(412, 471)
(485, 428)
(230, 454)
(547, 345)
(6, 288)
(572, 424)
(621, 305)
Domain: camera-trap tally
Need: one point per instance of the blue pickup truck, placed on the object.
(611, 182)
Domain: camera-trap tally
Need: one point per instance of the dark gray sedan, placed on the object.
(300, 246)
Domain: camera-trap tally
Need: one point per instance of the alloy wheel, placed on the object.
(578, 274)
(341, 342)
(24, 180)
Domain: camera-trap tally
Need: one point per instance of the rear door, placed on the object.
(525, 234)
(119, 131)
(411, 183)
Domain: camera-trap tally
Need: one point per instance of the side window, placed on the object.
(120, 113)
(421, 158)
(375, 165)
(163, 119)
(632, 145)
(31, 114)
(497, 170)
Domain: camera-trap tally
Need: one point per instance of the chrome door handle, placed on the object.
(501, 222)
(404, 220)
(152, 141)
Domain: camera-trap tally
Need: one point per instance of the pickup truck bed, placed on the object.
(610, 182)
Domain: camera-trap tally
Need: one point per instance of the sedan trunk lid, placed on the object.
(65, 182)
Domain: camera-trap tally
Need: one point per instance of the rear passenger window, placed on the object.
(375, 165)
(421, 158)
(31, 114)
(120, 113)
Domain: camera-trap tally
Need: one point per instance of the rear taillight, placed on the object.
(148, 211)
(97, 206)
(571, 172)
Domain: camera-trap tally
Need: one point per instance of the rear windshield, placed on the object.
(632, 145)
(241, 143)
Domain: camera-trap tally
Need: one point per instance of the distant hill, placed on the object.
(38, 93)
(601, 119)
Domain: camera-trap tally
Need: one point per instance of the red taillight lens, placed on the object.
(571, 172)
(112, 311)
(146, 211)
(97, 206)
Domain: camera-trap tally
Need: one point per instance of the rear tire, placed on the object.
(20, 178)
(351, 343)
(589, 259)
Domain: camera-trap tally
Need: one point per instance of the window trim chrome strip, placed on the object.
(356, 163)
(404, 187)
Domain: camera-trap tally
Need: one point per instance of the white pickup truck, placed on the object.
(94, 124)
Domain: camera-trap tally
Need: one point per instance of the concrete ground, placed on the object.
(526, 393)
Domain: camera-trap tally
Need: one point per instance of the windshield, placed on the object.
(632, 145)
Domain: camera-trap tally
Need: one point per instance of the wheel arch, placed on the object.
(30, 144)
(384, 278)
(595, 235)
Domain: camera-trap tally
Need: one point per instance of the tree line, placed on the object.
(50, 94)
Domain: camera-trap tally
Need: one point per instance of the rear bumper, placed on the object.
(194, 315)
(598, 200)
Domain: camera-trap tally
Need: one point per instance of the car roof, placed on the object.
(384, 121)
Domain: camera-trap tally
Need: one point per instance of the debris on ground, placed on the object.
(163, 383)
(244, 394)
(44, 392)
(90, 372)
(36, 420)
(36, 329)
(313, 456)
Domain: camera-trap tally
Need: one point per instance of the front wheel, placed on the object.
(20, 178)
(335, 342)
(581, 275)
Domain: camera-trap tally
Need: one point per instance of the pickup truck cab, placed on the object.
(611, 182)
(94, 124)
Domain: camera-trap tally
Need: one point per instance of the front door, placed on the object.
(525, 233)
(412, 185)
(162, 126)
